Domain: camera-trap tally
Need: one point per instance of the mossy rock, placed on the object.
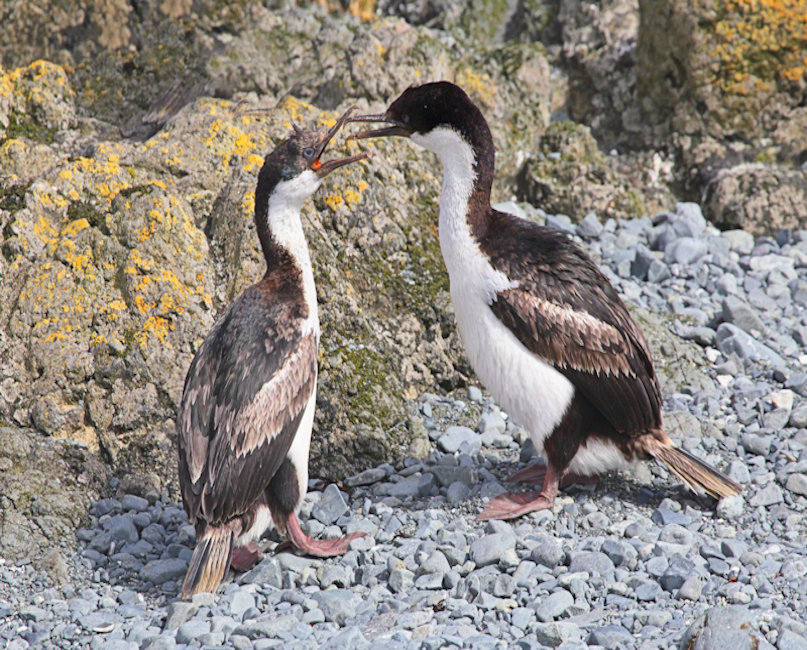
(572, 176)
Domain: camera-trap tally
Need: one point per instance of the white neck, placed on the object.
(283, 217)
(467, 267)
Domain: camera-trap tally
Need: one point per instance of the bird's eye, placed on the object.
(308, 152)
(405, 119)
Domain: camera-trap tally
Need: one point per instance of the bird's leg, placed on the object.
(245, 557)
(534, 475)
(317, 547)
(509, 506)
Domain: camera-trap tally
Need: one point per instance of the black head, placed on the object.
(300, 153)
(421, 109)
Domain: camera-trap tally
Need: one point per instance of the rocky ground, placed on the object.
(635, 562)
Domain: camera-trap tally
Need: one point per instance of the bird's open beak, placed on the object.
(395, 128)
(322, 169)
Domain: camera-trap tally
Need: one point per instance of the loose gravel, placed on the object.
(634, 562)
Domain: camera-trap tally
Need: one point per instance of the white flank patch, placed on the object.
(263, 521)
(597, 456)
(532, 391)
(301, 445)
(285, 204)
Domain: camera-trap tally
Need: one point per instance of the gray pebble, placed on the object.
(490, 548)
(769, 495)
(554, 605)
(160, 571)
(610, 636)
(190, 630)
(555, 633)
(338, 605)
(593, 563)
(331, 505)
(548, 552)
(266, 626)
(457, 436)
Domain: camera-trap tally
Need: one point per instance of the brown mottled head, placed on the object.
(301, 153)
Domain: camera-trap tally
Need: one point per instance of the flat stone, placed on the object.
(731, 339)
(338, 605)
(664, 517)
(490, 548)
(158, 572)
(435, 563)
(610, 636)
(741, 314)
(413, 487)
(555, 633)
(740, 241)
(722, 627)
(657, 272)
(448, 474)
(685, 250)
(797, 483)
(789, 640)
(331, 505)
(267, 572)
(690, 589)
(798, 417)
(769, 495)
(548, 552)
(593, 563)
(678, 570)
(457, 492)
(190, 630)
(401, 580)
(134, 502)
(619, 552)
(590, 227)
(240, 602)
(554, 605)
(649, 591)
(266, 626)
(457, 436)
(367, 477)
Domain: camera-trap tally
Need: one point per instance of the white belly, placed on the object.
(529, 389)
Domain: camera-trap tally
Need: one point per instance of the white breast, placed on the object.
(532, 391)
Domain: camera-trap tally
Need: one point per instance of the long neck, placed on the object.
(284, 245)
(465, 197)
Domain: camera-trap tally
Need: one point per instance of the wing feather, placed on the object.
(245, 394)
(563, 309)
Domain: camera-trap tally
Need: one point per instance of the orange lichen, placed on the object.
(761, 44)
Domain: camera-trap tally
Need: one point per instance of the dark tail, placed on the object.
(209, 563)
(696, 473)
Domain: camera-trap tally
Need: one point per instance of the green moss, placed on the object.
(12, 197)
(573, 141)
(86, 210)
(19, 126)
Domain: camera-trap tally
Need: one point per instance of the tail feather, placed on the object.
(696, 473)
(209, 563)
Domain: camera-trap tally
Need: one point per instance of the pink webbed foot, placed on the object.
(245, 557)
(532, 474)
(318, 547)
(510, 506)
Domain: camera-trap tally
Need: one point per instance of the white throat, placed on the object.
(283, 220)
(467, 266)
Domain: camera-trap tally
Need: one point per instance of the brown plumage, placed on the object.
(244, 423)
(544, 329)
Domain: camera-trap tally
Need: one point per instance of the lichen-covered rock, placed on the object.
(570, 176)
(45, 490)
(761, 199)
(726, 83)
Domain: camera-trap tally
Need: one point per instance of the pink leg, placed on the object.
(534, 475)
(318, 547)
(509, 506)
(246, 557)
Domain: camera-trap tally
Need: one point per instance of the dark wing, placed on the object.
(564, 310)
(244, 397)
